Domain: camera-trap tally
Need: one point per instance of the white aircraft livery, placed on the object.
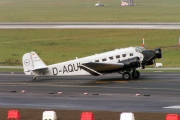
(124, 61)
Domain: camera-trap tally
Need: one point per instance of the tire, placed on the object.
(135, 74)
(126, 76)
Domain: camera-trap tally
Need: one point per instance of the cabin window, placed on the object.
(131, 54)
(96, 60)
(104, 59)
(111, 58)
(124, 55)
(117, 56)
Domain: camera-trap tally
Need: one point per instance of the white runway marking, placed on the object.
(173, 107)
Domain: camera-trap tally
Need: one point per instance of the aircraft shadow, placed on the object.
(86, 79)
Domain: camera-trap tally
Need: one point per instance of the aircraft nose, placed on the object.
(158, 53)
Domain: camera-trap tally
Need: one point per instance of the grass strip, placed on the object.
(85, 11)
(58, 45)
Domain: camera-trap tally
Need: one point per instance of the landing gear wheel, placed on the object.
(126, 76)
(135, 74)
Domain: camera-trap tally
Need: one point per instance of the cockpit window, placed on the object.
(139, 49)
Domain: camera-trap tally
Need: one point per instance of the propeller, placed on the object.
(150, 56)
(158, 53)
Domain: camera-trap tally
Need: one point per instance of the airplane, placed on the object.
(124, 61)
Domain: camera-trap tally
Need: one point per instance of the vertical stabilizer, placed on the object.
(37, 62)
(27, 63)
(31, 62)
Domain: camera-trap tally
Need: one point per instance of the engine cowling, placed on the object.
(150, 56)
(158, 53)
(131, 63)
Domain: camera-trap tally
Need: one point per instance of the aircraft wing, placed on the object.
(96, 68)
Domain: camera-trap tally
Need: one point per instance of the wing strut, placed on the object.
(91, 71)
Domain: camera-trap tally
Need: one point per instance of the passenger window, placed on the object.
(124, 55)
(96, 60)
(111, 58)
(117, 56)
(131, 54)
(104, 59)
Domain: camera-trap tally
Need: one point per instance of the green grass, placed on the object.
(85, 11)
(58, 45)
(10, 70)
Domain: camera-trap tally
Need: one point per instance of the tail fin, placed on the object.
(32, 62)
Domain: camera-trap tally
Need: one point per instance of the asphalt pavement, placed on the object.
(153, 92)
(89, 25)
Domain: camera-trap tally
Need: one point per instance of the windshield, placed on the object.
(139, 49)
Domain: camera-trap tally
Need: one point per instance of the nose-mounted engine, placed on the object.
(158, 53)
(150, 56)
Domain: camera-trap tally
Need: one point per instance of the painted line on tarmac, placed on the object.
(172, 107)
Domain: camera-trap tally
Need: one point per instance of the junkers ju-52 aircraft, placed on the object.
(124, 61)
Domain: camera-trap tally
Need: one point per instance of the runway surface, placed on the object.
(153, 92)
(84, 25)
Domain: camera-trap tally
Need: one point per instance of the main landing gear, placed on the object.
(128, 74)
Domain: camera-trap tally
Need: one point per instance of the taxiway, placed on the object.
(89, 25)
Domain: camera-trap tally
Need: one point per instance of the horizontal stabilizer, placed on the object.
(40, 68)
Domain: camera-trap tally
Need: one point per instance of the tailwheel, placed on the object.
(135, 74)
(126, 75)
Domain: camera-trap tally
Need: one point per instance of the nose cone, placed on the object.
(158, 53)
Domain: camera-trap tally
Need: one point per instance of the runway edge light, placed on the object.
(85, 93)
(23, 91)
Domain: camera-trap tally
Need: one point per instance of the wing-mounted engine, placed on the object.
(130, 63)
(150, 56)
(129, 69)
